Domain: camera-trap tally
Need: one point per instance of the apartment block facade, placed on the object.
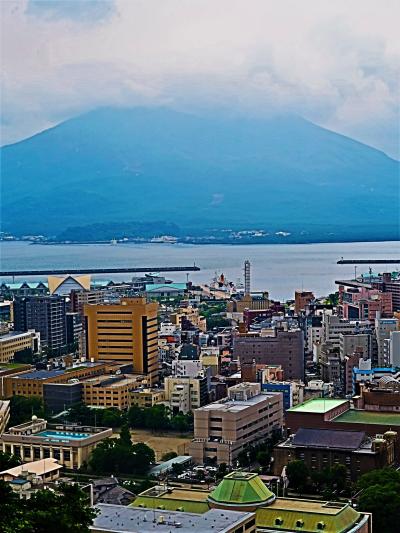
(45, 314)
(126, 332)
(224, 428)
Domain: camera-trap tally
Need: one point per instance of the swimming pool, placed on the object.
(62, 435)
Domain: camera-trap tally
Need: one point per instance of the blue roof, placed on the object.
(41, 374)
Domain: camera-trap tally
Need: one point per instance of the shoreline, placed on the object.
(204, 243)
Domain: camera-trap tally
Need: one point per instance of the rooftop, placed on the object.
(135, 519)
(39, 468)
(238, 405)
(355, 416)
(314, 516)
(167, 465)
(242, 488)
(317, 405)
(328, 438)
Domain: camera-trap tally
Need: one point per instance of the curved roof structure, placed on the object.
(241, 489)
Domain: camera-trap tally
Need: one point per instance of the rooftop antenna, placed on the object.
(247, 277)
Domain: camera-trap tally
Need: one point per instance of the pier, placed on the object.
(121, 270)
(367, 261)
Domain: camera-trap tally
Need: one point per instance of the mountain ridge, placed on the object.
(113, 164)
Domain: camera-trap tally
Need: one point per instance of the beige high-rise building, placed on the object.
(126, 332)
(223, 429)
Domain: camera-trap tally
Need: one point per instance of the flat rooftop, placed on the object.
(317, 405)
(355, 416)
(45, 374)
(237, 405)
(308, 506)
(121, 519)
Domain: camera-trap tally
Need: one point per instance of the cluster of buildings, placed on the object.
(320, 379)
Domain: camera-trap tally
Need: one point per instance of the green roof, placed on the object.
(241, 488)
(317, 405)
(173, 499)
(369, 417)
(285, 513)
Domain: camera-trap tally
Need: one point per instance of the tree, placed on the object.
(116, 456)
(297, 473)
(125, 435)
(8, 461)
(222, 470)
(263, 457)
(177, 469)
(381, 496)
(169, 455)
(46, 511)
(135, 417)
(22, 409)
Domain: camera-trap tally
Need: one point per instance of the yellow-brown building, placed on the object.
(110, 390)
(31, 383)
(126, 332)
(147, 397)
(14, 342)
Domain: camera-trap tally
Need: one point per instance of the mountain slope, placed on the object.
(157, 164)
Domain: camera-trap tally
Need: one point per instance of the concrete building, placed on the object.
(351, 342)
(330, 413)
(80, 298)
(4, 414)
(245, 491)
(285, 348)
(383, 329)
(334, 326)
(109, 391)
(394, 348)
(74, 328)
(301, 300)
(120, 519)
(125, 332)
(146, 397)
(31, 383)
(185, 394)
(324, 448)
(14, 342)
(44, 314)
(69, 445)
(224, 428)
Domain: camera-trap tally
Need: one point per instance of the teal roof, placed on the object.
(317, 405)
(161, 286)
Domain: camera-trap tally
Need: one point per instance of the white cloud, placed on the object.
(336, 63)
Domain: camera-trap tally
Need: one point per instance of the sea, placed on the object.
(279, 269)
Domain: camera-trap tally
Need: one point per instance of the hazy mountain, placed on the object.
(115, 165)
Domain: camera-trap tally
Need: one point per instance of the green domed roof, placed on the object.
(241, 489)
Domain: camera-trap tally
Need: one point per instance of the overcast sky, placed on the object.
(334, 62)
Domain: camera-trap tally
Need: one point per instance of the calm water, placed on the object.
(280, 269)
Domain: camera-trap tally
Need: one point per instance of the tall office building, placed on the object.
(126, 332)
(45, 314)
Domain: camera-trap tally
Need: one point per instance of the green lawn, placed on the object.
(369, 417)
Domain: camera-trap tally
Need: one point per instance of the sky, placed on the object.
(336, 63)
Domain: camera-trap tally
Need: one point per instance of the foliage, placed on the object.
(177, 469)
(46, 511)
(22, 409)
(381, 496)
(332, 299)
(8, 461)
(84, 415)
(169, 455)
(297, 473)
(329, 480)
(120, 456)
(222, 470)
(159, 417)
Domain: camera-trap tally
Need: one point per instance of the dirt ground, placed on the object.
(162, 442)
